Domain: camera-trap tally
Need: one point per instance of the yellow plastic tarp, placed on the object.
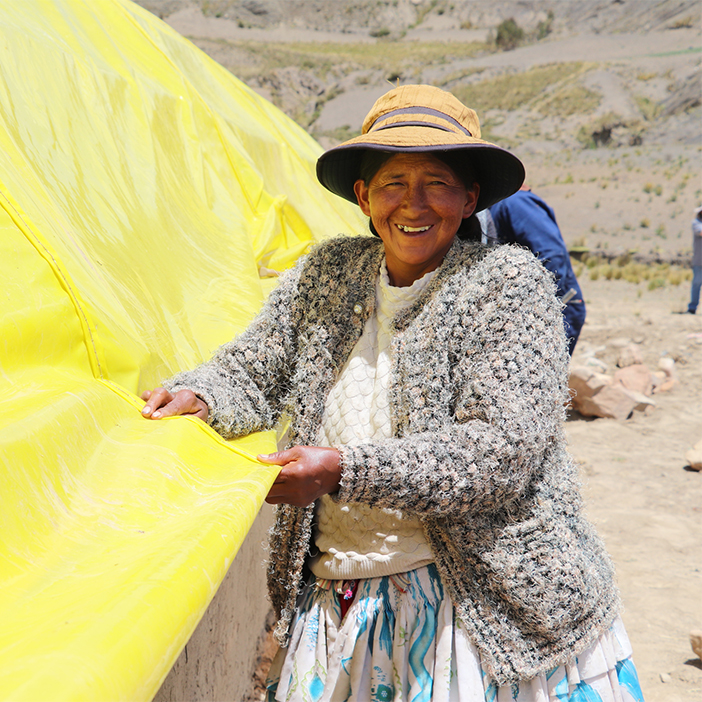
(142, 189)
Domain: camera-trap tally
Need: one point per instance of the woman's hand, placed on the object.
(161, 403)
(308, 473)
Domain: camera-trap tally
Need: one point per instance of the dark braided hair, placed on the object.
(373, 160)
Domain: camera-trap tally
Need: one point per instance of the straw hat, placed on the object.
(421, 118)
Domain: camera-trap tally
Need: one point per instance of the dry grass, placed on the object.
(388, 56)
(570, 100)
(654, 275)
(519, 90)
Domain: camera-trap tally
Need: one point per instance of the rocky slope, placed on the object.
(362, 16)
(604, 108)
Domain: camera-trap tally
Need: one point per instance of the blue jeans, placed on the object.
(696, 287)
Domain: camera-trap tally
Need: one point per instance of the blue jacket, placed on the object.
(524, 218)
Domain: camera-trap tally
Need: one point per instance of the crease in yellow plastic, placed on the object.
(142, 190)
(45, 252)
(213, 435)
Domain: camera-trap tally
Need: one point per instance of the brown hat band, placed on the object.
(422, 117)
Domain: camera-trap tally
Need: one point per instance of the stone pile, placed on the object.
(617, 396)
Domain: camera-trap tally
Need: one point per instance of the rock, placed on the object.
(667, 365)
(594, 362)
(585, 382)
(694, 458)
(643, 402)
(669, 378)
(635, 377)
(613, 401)
(665, 678)
(685, 96)
(599, 395)
(667, 385)
(256, 7)
(630, 355)
(696, 641)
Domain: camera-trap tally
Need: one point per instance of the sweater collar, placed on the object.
(460, 255)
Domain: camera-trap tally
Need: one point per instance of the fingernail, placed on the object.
(146, 410)
(156, 414)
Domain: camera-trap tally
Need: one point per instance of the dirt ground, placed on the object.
(645, 503)
(632, 196)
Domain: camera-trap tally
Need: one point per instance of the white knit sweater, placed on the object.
(355, 540)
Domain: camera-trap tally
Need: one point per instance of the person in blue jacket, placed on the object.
(524, 218)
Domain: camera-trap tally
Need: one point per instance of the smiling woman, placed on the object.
(416, 204)
(429, 541)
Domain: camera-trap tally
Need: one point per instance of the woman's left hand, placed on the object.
(308, 473)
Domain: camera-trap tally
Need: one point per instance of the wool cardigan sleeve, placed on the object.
(245, 382)
(506, 373)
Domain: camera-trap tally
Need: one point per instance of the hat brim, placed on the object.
(499, 173)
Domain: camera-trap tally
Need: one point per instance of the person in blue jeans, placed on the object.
(524, 218)
(696, 262)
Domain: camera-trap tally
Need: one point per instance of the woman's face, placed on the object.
(416, 203)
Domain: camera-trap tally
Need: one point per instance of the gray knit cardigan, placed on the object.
(477, 394)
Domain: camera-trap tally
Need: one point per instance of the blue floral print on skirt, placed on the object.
(400, 641)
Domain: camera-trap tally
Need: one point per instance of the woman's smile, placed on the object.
(413, 230)
(416, 203)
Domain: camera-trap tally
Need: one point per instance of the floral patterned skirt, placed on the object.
(401, 641)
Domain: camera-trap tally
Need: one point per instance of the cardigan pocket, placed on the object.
(543, 576)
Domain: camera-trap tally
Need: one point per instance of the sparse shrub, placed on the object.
(466, 24)
(660, 231)
(684, 23)
(644, 223)
(508, 34)
(599, 131)
(649, 108)
(379, 33)
(648, 188)
(545, 27)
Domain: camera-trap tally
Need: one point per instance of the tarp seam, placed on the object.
(64, 279)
